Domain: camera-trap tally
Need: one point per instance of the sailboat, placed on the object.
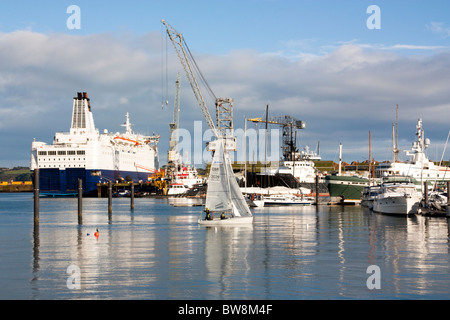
(225, 203)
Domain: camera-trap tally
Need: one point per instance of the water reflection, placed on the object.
(158, 251)
(226, 258)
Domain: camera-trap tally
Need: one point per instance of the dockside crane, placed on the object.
(224, 106)
(174, 158)
(223, 193)
(288, 124)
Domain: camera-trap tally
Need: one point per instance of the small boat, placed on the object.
(225, 204)
(397, 195)
(177, 188)
(254, 200)
(285, 200)
(368, 196)
(121, 193)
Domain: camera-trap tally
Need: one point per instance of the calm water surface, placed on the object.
(158, 251)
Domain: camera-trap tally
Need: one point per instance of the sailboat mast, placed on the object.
(245, 154)
(265, 146)
(370, 155)
(395, 136)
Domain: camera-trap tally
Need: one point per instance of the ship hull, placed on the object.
(55, 182)
(346, 189)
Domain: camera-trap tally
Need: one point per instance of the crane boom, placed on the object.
(178, 42)
(286, 121)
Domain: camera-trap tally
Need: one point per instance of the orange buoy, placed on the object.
(96, 234)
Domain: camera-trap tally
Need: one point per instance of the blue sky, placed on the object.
(314, 60)
(220, 26)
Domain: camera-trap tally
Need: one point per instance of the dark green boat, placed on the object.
(346, 189)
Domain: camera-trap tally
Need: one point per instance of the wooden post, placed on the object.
(80, 201)
(109, 196)
(425, 193)
(317, 190)
(132, 196)
(448, 199)
(36, 196)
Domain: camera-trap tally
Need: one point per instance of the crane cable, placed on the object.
(199, 72)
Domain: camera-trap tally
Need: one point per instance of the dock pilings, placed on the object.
(109, 197)
(79, 196)
(80, 201)
(448, 199)
(36, 196)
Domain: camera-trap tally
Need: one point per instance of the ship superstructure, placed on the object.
(419, 167)
(84, 153)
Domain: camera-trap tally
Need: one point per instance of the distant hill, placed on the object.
(15, 174)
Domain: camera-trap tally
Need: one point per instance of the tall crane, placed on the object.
(173, 158)
(289, 124)
(224, 106)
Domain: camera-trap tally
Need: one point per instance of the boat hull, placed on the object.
(226, 222)
(346, 189)
(276, 203)
(400, 205)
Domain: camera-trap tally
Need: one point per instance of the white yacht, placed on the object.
(397, 195)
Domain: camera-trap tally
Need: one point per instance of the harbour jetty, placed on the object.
(16, 186)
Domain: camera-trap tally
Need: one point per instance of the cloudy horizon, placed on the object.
(341, 89)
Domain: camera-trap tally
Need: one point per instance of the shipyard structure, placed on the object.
(84, 153)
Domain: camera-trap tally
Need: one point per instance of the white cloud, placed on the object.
(340, 94)
(439, 28)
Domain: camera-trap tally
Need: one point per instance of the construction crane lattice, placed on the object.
(289, 126)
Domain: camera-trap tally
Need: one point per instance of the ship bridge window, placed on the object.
(80, 152)
(42, 153)
(52, 153)
(61, 153)
(71, 152)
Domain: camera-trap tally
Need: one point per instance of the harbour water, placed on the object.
(158, 251)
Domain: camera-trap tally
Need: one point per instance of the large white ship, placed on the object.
(84, 153)
(419, 167)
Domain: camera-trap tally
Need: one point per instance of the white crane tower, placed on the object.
(224, 106)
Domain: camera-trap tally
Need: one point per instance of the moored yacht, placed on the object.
(397, 195)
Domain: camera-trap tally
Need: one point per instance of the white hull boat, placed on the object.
(285, 200)
(397, 197)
